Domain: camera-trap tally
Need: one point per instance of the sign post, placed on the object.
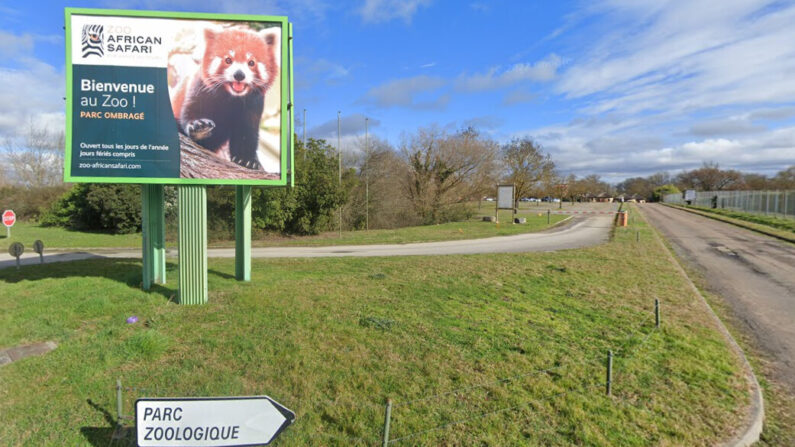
(210, 422)
(505, 201)
(16, 249)
(243, 233)
(38, 247)
(153, 226)
(9, 218)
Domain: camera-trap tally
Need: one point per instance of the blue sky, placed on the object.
(619, 88)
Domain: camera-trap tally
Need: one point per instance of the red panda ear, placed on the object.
(209, 34)
(270, 35)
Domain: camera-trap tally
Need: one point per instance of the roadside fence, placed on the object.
(412, 421)
(771, 203)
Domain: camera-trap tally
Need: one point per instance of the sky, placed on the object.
(619, 88)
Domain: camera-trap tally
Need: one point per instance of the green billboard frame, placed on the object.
(286, 176)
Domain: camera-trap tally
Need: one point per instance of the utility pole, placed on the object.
(304, 134)
(366, 178)
(339, 164)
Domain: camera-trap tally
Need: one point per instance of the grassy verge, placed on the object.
(333, 338)
(56, 237)
(59, 238)
(472, 229)
(769, 225)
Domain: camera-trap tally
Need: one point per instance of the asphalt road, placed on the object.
(753, 273)
(580, 231)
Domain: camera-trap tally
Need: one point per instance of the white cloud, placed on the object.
(541, 71)
(378, 11)
(31, 90)
(731, 126)
(683, 56)
(669, 85)
(407, 92)
(519, 96)
(585, 147)
(349, 125)
(12, 45)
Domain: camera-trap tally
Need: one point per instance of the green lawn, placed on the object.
(56, 237)
(333, 338)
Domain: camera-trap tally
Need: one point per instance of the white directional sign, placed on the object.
(209, 422)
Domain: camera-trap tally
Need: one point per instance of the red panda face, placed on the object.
(240, 61)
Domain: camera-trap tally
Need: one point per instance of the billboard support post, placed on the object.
(243, 232)
(192, 244)
(153, 226)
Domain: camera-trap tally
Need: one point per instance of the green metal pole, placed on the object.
(192, 244)
(243, 232)
(153, 226)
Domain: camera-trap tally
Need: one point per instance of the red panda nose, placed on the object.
(239, 76)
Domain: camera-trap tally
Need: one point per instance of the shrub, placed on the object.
(29, 203)
(114, 208)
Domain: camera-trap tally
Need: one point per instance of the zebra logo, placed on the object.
(92, 40)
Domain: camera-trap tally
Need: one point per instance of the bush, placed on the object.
(30, 203)
(114, 208)
(308, 207)
(664, 190)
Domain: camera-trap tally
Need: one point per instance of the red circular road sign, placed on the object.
(9, 218)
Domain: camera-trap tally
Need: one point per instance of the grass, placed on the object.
(333, 338)
(59, 238)
(780, 227)
(56, 237)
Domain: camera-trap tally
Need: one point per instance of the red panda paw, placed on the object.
(247, 163)
(200, 129)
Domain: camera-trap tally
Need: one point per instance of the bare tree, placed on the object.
(442, 170)
(36, 158)
(527, 167)
(709, 177)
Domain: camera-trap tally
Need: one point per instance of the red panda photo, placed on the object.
(220, 106)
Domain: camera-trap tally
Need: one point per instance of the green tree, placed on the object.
(664, 190)
(309, 207)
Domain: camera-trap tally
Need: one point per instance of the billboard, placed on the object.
(178, 98)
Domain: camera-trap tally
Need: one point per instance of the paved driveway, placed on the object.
(578, 232)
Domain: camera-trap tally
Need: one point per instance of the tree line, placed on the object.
(431, 176)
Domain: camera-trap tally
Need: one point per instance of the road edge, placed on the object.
(735, 222)
(754, 420)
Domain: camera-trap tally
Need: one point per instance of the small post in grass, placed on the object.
(387, 416)
(609, 383)
(656, 313)
(549, 212)
(637, 235)
(118, 403)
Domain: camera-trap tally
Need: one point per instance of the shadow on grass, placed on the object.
(111, 435)
(125, 271)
